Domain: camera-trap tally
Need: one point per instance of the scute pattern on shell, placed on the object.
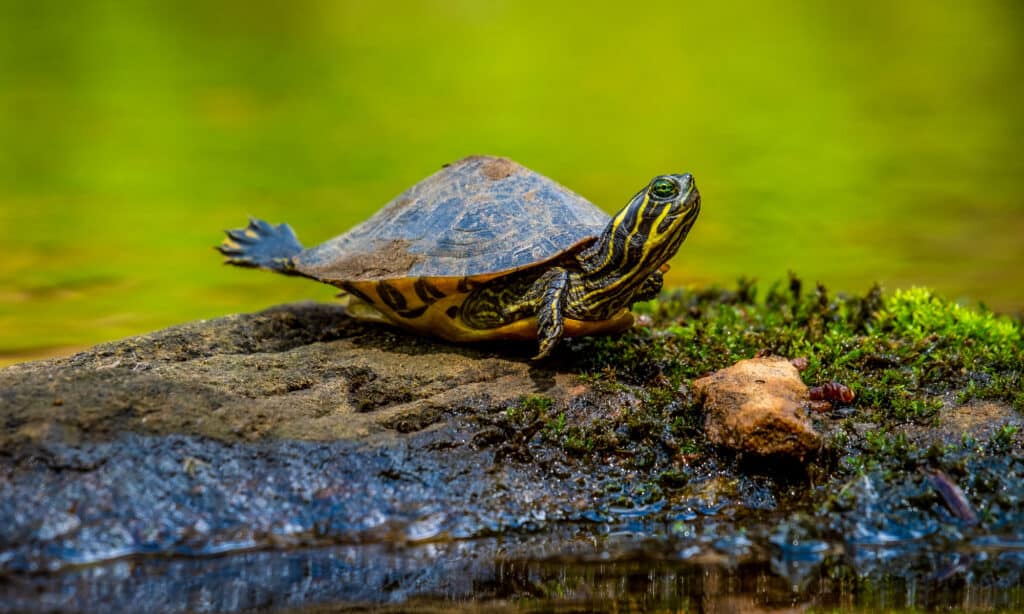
(478, 216)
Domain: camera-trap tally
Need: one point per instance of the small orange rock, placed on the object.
(758, 406)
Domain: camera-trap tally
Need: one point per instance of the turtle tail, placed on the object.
(262, 245)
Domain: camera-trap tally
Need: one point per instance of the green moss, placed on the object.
(889, 468)
(902, 355)
(528, 409)
(578, 441)
(906, 356)
(1003, 439)
(537, 404)
(555, 427)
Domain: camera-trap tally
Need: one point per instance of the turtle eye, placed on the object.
(665, 188)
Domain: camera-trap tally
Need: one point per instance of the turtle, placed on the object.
(488, 249)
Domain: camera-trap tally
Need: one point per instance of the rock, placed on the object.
(758, 406)
(299, 427)
(977, 419)
(296, 425)
(302, 372)
(293, 458)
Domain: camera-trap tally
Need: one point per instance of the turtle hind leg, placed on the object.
(362, 310)
(262, 245)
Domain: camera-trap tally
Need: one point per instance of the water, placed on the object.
(848, 143)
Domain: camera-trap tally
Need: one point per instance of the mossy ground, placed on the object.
(912, 358)
(901, 354)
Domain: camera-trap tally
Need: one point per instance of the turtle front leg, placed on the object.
(551, 291)
(544, 299)
(650, 288)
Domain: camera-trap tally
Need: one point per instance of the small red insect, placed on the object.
(832, 391)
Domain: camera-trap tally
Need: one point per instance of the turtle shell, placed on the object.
(477, 217)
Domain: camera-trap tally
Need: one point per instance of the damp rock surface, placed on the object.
(291, 426)
(302, 372)
(295, 457)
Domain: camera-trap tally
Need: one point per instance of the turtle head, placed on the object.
(660, 217)
(646, 233)
(638, 241)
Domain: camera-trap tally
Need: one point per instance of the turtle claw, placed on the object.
(245, 236)
(545, 349)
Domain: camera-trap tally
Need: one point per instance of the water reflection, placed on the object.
(501, 574)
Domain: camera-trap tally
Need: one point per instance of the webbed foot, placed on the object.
(261, 245)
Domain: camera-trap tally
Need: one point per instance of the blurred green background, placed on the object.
(849, 142)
